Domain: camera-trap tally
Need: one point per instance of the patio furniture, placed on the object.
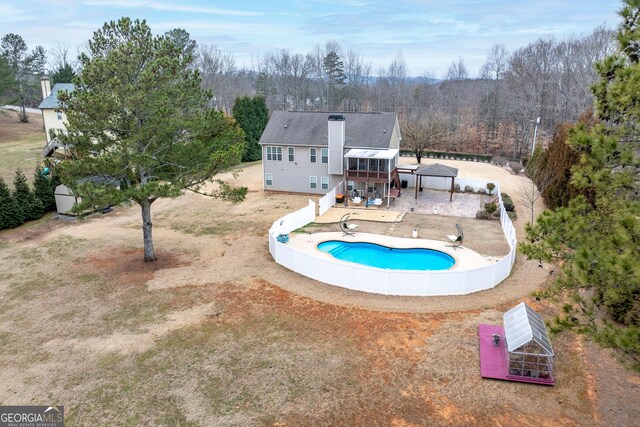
(346, 228)
(377, 202)
(357, 200)
(456, 239)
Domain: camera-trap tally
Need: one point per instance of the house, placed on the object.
(312, 152)
(54, 118)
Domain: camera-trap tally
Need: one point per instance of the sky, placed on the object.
(429, 34)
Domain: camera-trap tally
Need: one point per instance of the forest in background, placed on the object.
(492, 113)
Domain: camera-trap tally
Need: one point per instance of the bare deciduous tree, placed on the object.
(422, 133)
(496, 63)
(530, 193)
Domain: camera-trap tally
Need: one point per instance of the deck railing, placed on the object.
(368, 174)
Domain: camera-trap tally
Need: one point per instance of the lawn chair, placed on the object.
(346, 228)
(356, 200)
(377, 202)
(456, 239)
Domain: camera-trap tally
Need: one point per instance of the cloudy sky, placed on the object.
(428, 33)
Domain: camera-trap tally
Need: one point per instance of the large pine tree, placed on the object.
(597, 236)
(139, 124)
(334, 69)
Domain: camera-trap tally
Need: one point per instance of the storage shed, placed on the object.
(529, 351)
(65, 199)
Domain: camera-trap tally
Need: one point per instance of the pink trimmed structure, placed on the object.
(493, 358)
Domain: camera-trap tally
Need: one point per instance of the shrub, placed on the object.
(491, 186)
(482, 191)
(482, 215)
(490, 207)
(456, 188)
(499, 160)
(516, 167)
(44, 190)
(507, 202)
(27, 201)
(10, 213)
(468, 189)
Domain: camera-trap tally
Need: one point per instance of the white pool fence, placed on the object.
(458, 281)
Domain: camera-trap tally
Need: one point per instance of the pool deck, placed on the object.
(465, 258)
(334, 214)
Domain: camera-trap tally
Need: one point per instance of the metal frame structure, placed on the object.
(529, 352)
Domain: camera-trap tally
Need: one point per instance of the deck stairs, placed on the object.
(395, 179)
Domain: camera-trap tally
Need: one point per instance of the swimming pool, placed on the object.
(385, 257)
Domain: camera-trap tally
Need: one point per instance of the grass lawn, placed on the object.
(20, 144)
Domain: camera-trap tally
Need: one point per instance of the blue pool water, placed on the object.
(384, 257)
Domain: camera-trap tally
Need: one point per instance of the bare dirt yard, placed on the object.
(215, 333)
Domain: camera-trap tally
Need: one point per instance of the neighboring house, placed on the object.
(312, 152)
(54, 118)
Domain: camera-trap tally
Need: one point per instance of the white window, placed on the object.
(59, 113)
(313, 155)
(313, 182)
(268, 179)
(324, 182)
(274, 153)
(325, 155)
(292, 154)
(349, 185)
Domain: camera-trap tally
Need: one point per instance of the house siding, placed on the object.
(294, 176)
(50, 118)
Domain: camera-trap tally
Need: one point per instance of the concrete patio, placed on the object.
(429, 202)
(436, 202)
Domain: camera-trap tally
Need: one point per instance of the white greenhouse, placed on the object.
(530, 354)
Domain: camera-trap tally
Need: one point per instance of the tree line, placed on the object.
(492, 113)
(590, 180)
(23, 203)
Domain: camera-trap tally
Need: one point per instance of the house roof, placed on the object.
(372, 154)
(51, 101)
(362, 130)
(437, 169)
(522, 325)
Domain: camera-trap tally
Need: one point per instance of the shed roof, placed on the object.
(51, 101)
(362, 130)
(521, 325)
(437, 169)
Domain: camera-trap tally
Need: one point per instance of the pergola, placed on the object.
(436, 170)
